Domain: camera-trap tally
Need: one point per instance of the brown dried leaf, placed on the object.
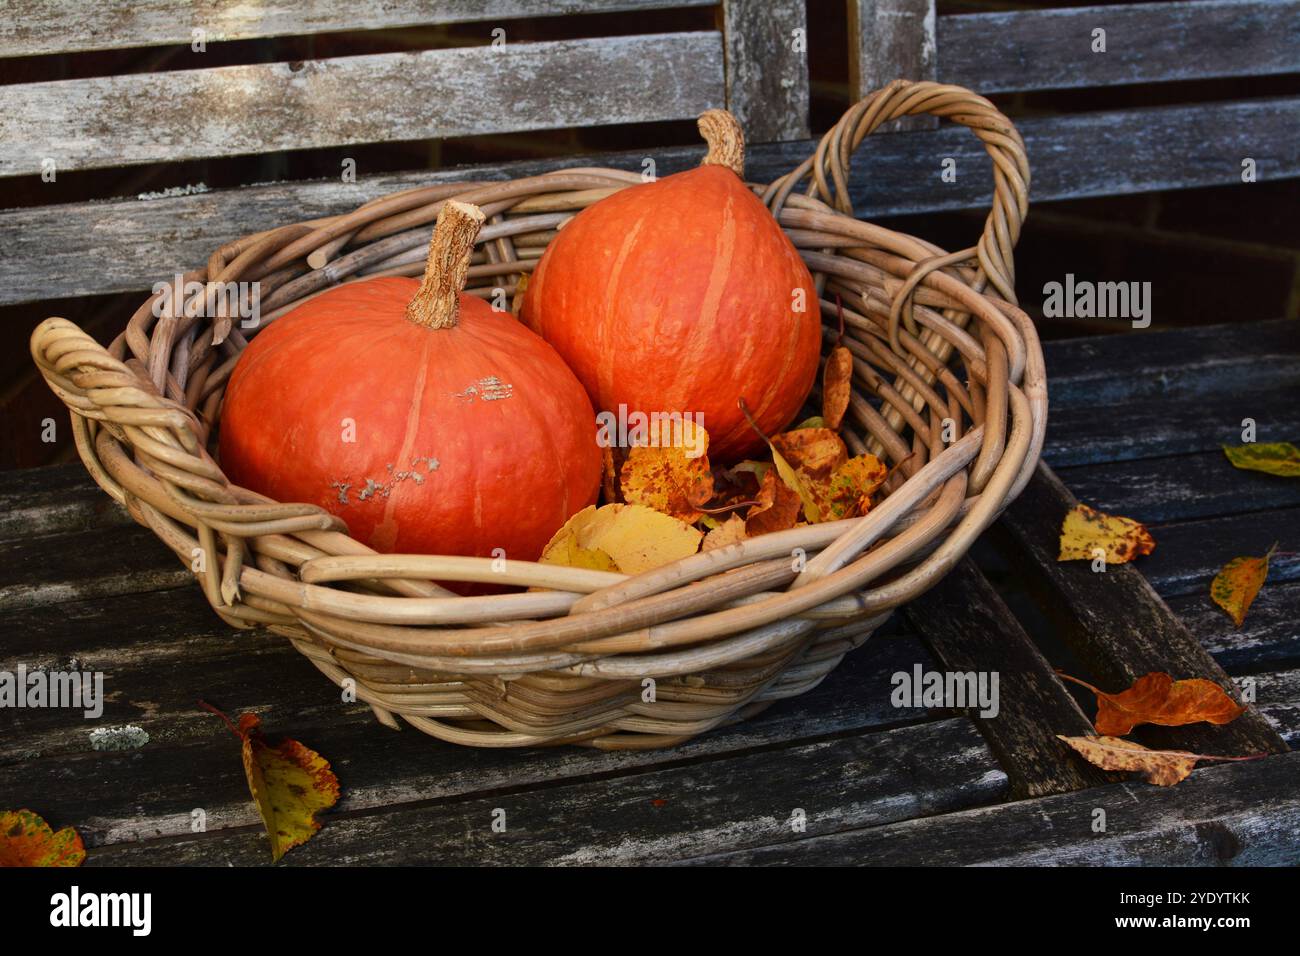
(1086, 529)
(837, 382)
(1164, 768)
(777, 509)
(853, 484)
(807, 459)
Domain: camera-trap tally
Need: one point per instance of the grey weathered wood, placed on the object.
(54, 568)
(1179, 488)
(766, 43)
(1084, 435)
(234, 110)
(1117, 625)
(53, 500)
(681, 811)
(64, 27)
(1243, 814)
(1268, 637)
(134, 243)
(1145, 43)
(890, 40)
(969, 629)
(1189, 362)
(1189, 554)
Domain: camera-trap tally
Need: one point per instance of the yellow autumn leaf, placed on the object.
(1234, 588)
(631, 538)
(853, 484)
(673, 478)
(1274, 458)
(1086, 529)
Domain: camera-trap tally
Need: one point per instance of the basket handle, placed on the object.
(828, 170)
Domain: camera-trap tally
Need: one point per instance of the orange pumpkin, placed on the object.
(425, 419)
(684, 295)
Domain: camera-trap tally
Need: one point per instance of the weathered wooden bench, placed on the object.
(1135, 427)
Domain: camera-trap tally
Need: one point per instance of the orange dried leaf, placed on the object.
(27, 840)
(777, 509)
(1085, 530)
(674, 479)
(625, 538)
(517, 303)
(807, 459)
(728, 532)
(290, 783)
(609, 475)
(837, 381)
(1159, 699)
(1234, 588)
(1164, 768)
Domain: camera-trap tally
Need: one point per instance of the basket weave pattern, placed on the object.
(949, 387)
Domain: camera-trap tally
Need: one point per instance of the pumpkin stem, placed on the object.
(437, 303)
(726, 141)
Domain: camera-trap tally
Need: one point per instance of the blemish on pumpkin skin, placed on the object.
(488, 389)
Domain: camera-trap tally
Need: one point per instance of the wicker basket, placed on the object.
(608, 661)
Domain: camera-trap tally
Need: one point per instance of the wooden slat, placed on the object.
(1173, 363)
(55, 500)
(63, 26)
(1268, 637)
(767, 77)
(968, 628)
(1179, 488)
(1190, 553)
(745, 800)
(1145, 43)
(1243, 814)
(1116, 623)
(890, 40)
(135, 243)
(236, 110)
(1109, 433)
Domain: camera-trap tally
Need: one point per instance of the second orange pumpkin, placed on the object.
(684, 295)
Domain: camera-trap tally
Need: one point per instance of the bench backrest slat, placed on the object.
(63, 26)
(228, 111)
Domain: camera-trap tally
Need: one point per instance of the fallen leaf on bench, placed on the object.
(1275, 458)
(290, 783)
(837, 381)
(1234, 588)
(672, 475)
(1087, 530)
(626, 538)
(1159, 699)
(27, 840)
(1164, 768)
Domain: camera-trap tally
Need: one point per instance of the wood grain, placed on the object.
(62, 26)
(1145, 43)
(134, 243)
(466, 91)
(767, 78)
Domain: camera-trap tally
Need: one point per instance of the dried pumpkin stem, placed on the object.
(726, 141)
(437, 303)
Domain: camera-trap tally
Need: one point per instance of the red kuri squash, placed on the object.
(425, 419)
(684, 295)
